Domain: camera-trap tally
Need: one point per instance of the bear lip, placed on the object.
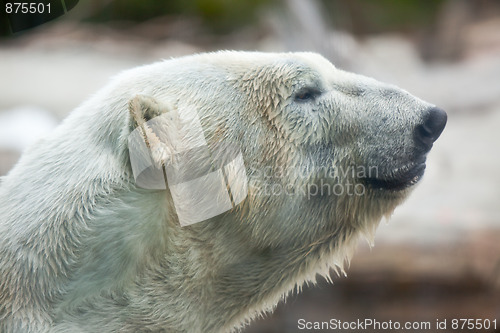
(400, 179)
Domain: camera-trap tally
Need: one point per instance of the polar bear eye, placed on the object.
(306, 94)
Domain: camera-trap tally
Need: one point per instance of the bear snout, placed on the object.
(397, 170)
(434, 121)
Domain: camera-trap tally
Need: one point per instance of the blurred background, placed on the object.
(439, 255)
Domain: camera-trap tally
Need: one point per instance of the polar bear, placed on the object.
(322, 155)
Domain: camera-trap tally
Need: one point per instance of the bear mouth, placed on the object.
(399, 179)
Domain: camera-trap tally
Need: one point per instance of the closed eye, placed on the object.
(307, 94)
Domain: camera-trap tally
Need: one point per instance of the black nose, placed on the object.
(432, 126)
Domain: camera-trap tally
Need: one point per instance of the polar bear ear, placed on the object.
(147, 145)
(143, 108)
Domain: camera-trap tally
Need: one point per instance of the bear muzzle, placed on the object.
(424, 135)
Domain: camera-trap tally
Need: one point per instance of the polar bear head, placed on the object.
(324, 151)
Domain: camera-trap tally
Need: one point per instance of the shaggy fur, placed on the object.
(83, 249)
